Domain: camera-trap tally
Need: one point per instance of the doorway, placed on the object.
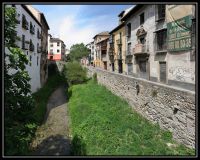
(120, 66)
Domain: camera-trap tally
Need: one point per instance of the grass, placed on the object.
(42, 95)
(108, 126)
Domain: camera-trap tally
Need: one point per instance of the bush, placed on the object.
(74, 73)
(95, 77)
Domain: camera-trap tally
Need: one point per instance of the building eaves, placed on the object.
(102, 34)
(29, 12)
(45, 21)
(132, 11)
(103, 40)
(55, 40)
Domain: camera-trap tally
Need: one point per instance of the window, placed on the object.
(37, 60)
(142, 66)
(130, 68)
(129, 48)
(161, 37)
(129, 29)
(58, 43)
(30, 60)
(193, 41)
(163, 72)
(161, 12)
(58, 50)
(51, 45)
(141, 18)
(23, 41)
(51, 51)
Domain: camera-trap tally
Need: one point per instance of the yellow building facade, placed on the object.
(119, 46)
(97, 49)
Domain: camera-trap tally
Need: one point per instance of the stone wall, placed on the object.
(172, 108)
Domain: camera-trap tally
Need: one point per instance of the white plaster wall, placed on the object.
(180, 68)
(34, 69)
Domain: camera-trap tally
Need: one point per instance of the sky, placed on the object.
(80, 23)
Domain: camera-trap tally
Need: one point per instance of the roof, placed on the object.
(30, 13)
(117, 28)
(45, 21)
(132, 11)
(124, 12)
(56, 40)
(105, 33)
(41, 15)
(103, 40)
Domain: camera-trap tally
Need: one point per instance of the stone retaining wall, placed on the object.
(172, 108)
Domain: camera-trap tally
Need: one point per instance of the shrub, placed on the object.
(74, 73)
(95, 77)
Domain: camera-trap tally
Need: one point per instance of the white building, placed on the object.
(90, 46)
(56, 49)
(30, 43)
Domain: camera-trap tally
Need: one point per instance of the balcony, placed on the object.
(25, 45)
(39, 49)
(140, 49)
(104, 47)
(18, 19)
(24, 23)
(32, 30)
(119, 42)
(31, 47)
(39, 36)
(119, 56)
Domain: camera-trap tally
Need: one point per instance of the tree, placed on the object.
(18, 101)
(78, 51)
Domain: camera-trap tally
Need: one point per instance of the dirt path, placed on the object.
(52, 137)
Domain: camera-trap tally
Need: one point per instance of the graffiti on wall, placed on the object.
(182, 74)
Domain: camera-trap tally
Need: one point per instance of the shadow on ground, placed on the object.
(60, 145)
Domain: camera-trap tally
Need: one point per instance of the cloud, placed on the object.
(78, 23)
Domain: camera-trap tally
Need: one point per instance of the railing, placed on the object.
(25, 45)
(18, 19)
(32, 30)
(119, 42)
(104, 47)
(39, 35)
(31, 47)
(24, 23)
(119, 56)
(39, 49)
(111, 51)
(140, 49)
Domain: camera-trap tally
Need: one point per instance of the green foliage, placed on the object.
(74, 73)
(18, 102)
(77, 147)
(95, 77)
(109, 126)
(78, 51)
